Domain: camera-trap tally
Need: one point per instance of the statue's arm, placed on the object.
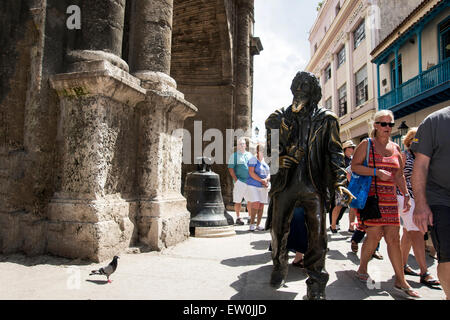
(276, 122)
(288, 152)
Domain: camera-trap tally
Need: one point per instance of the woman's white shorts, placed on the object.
(255, 194)
(240, 191)
(406, 218)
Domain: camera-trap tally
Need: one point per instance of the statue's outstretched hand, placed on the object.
(345, 195)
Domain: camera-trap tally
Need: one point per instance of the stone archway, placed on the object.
(206, 44)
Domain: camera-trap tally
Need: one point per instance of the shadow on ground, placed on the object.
(335, 255)
(354, 288)
(353, 258)
(30, 261)
(413, 263)
(98, 282)
(256, 259)
(254, 285)
(260, 244)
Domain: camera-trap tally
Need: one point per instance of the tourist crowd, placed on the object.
(411, 188)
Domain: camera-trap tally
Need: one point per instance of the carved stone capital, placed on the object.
(99, 77)
(162, 95)
(75, 56)
(176, 107)
(155, 80)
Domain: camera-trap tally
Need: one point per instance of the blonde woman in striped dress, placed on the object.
(389, 175)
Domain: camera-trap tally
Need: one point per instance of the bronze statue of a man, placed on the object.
(311, 173)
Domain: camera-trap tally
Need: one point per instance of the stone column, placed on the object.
(351, 100)
(371, 67)
(89, 217)
(243, 89)
(334, 97)
(163, 219)
(151, 33)
(101, 34)
(102, 25)
(322, 85)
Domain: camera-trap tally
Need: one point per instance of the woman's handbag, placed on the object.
(359, 185)
(371, 210)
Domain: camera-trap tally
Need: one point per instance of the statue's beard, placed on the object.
(298, 105)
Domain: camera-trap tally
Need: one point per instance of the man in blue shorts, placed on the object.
(238, 168)
(431, 186)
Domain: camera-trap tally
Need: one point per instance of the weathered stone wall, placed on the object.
(28, 126)
(35, 42)
(88, 162)
(14, 52)
(16, 40)
(196, 43)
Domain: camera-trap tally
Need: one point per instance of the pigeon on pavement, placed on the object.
(108, 270)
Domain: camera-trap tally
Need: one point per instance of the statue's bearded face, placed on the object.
(306, 90)
(302, 95)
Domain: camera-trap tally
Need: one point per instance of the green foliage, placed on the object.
(319, 5)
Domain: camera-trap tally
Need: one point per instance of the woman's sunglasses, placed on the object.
(384, 124)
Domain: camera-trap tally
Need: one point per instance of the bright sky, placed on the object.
(283, 27)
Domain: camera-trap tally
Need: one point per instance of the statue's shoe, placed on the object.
(315, 291)
(315, 296)
(278, 277)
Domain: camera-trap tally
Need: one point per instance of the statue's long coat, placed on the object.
(325, 160)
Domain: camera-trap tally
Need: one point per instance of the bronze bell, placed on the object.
(204, 198)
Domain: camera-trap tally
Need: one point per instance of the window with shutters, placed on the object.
(444, 39)
(328, 73)
(342, 93)
(359, 34)
(362, 92)
(341, 57)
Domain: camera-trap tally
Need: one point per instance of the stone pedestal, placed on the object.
(88, 216)
(163, 218)
(163, 221)
(214, 232)
(94, 229)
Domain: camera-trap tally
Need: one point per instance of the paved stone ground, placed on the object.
(228, 268)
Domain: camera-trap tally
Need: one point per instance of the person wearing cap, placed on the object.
(338, 211)
(348, 147)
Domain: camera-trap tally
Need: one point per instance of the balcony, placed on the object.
(427, 89)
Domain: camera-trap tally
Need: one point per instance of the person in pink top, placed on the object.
(387, 175)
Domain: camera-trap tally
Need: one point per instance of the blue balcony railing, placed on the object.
(429, 79)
